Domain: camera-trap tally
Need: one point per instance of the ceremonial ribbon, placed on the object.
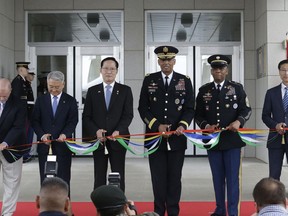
(153, 141)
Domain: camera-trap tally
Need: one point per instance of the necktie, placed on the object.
(166, 82)
(54, 105)
(285, 99)
(218, 88)
(108, 95)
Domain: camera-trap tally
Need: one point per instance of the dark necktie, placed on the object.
(166, 82)
(108, 95)
(218, 88)
(54, 105)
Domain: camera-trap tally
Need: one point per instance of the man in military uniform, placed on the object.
(223, 105)
(19, 88)
(30, 106)
(167, 103)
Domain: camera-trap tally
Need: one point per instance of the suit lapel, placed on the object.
(61, 105)
(99, 94)
(278, 97)
(115, 93)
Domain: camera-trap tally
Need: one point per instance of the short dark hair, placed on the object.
(111, 59)
(269, 191)
(285, 61)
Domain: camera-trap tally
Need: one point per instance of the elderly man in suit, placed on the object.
(12, 133)
(275, 116)
(55, 117)
(108, 111)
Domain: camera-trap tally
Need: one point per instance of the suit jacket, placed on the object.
(175, 107)
(52, 213)
(12, 128)
(64, 122)
(272, 114)
(231, 104)
(118, 116)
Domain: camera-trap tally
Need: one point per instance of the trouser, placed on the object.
(12, 173)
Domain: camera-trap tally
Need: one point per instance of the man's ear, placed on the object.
(67, 205)
(37, 202)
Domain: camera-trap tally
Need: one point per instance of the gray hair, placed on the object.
(56, 76)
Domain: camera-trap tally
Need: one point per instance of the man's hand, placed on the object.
(212, 128)
(234, 126)
(114, 134)
(3, 146)
(100, 134)
(179, 130)
(46, 138)
(163, 128)
(280, 128)
(61, 138)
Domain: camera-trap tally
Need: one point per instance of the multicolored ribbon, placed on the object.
(135, 145)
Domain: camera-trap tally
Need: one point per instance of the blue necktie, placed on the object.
(285, 100)
(54, 105)
(108, 95)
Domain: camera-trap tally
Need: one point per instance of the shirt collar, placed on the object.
(164, 75)
(58, 96)
(222, 83)
(111, 84)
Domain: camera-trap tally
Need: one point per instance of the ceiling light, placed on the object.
(93, 19)
(186, 19)
(104, 35)
(181, 35)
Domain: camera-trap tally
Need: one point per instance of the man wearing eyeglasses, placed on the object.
(108, 111)
(275, 116)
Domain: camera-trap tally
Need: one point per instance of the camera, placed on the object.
(51, 166)
(114, 179)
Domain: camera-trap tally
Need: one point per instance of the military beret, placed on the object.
(108, 196)
(218, 61)
(166, 52)
(22, 64)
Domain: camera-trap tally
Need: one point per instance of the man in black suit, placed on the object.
(275, 116)
(223, 105)
(12, 134)
(103, 118)
(55, 117)
(167, 103)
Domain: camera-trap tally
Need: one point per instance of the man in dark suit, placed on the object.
(167, 103)
(223, 105)
(275, 116)
(102, 117)
(12, 134)
(55, 117)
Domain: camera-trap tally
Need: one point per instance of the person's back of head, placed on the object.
(269, 191)
(53, 195)
(109, 200)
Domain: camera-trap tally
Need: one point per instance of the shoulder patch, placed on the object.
(148, 74)
(187, 77)
(237, 83)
